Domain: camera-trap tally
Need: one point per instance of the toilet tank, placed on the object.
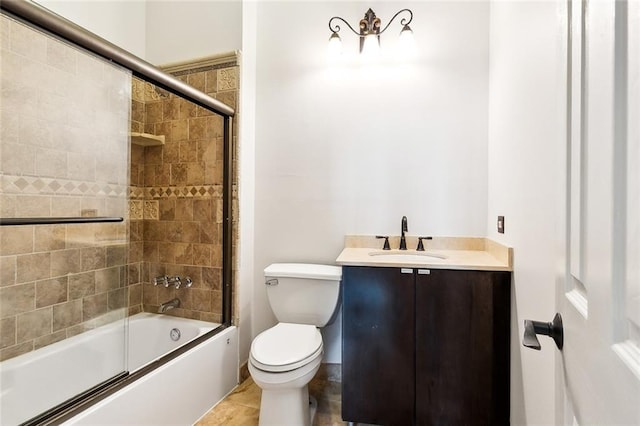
(303, 293)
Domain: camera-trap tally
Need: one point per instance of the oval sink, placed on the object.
(407, 256)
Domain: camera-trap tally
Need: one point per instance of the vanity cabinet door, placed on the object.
(462, 347)
(378, 343)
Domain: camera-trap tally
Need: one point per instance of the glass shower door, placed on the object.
(64, 243)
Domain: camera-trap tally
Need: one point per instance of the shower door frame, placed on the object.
(43, 19)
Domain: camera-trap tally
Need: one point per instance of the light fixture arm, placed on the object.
(403, 21)
(336, 27)
(369, 30)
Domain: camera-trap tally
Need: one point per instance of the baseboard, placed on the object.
(330, 372)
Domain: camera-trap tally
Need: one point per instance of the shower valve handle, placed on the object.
(160, 280)
(176, 281)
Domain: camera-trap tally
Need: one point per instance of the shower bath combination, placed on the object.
(95, 203)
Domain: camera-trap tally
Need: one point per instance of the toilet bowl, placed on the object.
(282, 361)
(284, 358)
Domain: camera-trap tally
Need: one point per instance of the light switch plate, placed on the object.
(501, 224)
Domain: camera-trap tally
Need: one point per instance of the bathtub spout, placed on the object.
(173, 303)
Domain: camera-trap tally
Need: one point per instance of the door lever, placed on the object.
(552, 329)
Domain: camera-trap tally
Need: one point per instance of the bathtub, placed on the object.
(178, 392)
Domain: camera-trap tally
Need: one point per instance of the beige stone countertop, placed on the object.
(478, 254)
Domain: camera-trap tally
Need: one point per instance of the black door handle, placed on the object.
(552, 329)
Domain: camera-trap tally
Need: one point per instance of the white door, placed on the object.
(599, 291)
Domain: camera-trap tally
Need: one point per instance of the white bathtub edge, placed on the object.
(179, 392)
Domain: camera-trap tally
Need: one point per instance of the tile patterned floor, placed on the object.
(242, 407)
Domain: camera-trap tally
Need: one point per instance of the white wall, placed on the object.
(246, 187)
(183, 30)
(120, 22)
(351, 149)
(526, 143)
(160, 32)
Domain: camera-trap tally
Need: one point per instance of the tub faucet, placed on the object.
(173, 303)
(403, 229)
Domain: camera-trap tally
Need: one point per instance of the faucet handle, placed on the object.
(178, 281)
(175, 281)
(386, 241)
(162, 279)
(187, 282)
(420, 245)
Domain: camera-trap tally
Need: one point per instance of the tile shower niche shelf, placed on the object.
(146, 139)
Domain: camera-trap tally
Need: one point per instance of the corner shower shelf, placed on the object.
(11, 221)
(146, 139)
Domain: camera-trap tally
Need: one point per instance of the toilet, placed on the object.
(284, 358)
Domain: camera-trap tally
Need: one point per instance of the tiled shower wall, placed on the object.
(176, 195)
(63, 152)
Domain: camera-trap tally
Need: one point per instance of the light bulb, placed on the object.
(407, 42)
(371, 47)
(334, 49)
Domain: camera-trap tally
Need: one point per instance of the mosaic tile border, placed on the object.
(193, 191)
(209, 63)
(136, 192)
(145, 193)
(37, 185)
(205, 68)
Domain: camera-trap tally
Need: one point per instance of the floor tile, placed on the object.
(247, 394)
(242, 406)
(230, 414)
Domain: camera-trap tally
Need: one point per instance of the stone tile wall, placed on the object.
(64, 118)
(179, 189)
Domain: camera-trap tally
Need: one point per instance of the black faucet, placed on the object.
(403, 229)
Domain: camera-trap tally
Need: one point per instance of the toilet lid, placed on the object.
(285, 346)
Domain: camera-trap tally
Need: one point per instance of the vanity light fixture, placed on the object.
(370, 32)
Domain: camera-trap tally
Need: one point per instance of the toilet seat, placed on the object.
(286, 347)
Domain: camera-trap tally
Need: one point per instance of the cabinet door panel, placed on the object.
(378, 346)
(462, 348)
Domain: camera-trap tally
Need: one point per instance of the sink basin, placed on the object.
(407, 256)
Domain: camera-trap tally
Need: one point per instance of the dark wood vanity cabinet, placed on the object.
(425, 346)
(378, 345)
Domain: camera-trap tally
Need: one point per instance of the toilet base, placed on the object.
(313, 407)
(285, 396)
(287, 407)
